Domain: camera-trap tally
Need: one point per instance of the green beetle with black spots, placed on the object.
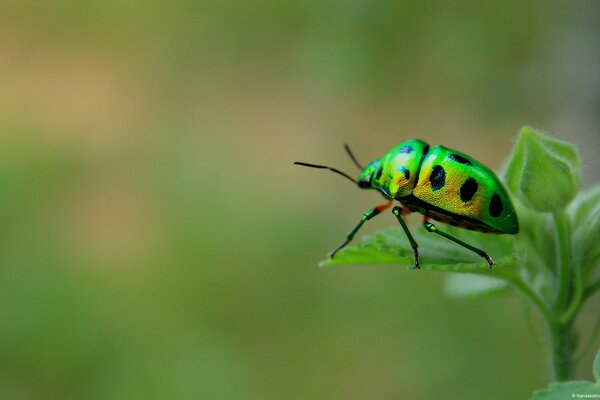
(442, 184)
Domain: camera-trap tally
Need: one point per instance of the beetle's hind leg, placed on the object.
(432, 228)
(366, 216)
(397, 211)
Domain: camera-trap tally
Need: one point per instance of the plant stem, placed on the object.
(563, 256)
(560, 328)
(561, 350)
(577, 296)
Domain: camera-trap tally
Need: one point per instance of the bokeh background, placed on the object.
(157, 243)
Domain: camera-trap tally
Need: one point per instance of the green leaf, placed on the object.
(469, 285)
(543, 171)
(536, 241)
(436, 253)
(585, 221)
(572, 389)
(567, 390)
(585, 204)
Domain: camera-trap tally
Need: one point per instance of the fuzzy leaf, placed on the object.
(469, 285)
(436, 253)
(585, 221)
(572, 389)
(567, 390)
(543, 171)
(585, 204)
(536, 242)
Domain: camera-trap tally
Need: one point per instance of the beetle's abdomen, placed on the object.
(398, 169)
(457, 184)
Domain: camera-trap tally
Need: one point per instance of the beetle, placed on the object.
(441, 184)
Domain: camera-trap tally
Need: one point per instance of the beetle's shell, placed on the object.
(397, 171)
(445, 185)
(453, 182)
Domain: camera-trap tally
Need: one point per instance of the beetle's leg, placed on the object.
(366, 216)
(432, 228)
(397, 211)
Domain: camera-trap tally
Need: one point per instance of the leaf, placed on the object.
(567, 390)
(585, 204)
(469, 285)
(585, 221)
(536, 241)
(543, 171)
(436, 253)
(572, 389)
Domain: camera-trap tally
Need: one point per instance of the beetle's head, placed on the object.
(366, 177)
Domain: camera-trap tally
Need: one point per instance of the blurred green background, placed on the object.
(157, 243)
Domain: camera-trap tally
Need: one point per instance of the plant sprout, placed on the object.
(553, 261)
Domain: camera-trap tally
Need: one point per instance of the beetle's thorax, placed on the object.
(395, 173)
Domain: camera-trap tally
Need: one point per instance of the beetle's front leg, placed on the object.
(366, 216)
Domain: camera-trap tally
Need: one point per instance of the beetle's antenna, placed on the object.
(352, 156)
(337, 171)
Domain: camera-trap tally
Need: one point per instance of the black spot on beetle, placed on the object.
(406, 149)
(378, 173)
(437, 178)
(468, 189)
(496, 205)
(459, 159)
(406, 173)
